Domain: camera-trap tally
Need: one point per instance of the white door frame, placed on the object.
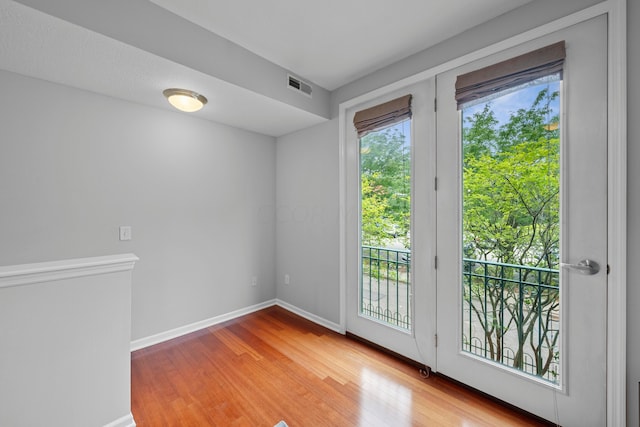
(617, 179)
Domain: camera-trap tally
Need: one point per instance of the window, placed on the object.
(511, 219)
(385, 212)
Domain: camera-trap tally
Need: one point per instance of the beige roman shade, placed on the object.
(382, 115)
(510, 73)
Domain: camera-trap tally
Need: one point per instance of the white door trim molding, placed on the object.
(617, 176)
(617, 216)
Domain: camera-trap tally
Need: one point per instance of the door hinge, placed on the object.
(436, 339)
(435, 183)
(608, 269)
(435, 261)
(435, 105)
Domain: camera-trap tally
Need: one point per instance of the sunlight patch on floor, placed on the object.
(383, 402)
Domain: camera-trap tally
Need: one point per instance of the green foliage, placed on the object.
(374, 206)
(480, 137)
(511, 204)
(385, 165)
(511, 186)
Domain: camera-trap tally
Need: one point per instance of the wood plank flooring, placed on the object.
(273, 365)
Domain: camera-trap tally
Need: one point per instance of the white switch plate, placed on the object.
(254, 281)
(125, 232)
(287, 279)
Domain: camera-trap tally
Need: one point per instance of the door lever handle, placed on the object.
(586, 266)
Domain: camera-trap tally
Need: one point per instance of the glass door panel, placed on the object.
(385, 222)
(522, 190)
(511, 228)
(389, 228)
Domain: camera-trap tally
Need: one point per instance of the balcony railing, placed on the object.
(511, 314)
(385, 288)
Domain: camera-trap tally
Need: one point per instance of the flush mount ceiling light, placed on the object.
(185, 100)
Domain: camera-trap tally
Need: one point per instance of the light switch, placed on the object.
(125, 232)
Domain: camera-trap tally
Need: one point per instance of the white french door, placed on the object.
(570, 389)
(374, 293)
(559, 373)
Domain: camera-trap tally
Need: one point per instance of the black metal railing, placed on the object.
(385, 287)
(511, 314)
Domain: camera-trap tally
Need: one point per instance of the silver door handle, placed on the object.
(586, 266)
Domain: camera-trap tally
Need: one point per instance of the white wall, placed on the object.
(64, 343)
(307, 220)
(74, 166)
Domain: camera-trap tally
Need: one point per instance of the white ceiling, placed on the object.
(327, 42)
(334, 42)
(38, 45)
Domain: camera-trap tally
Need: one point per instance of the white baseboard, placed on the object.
(193, 327)
(187, 329)
(126, 421)
(310, 316)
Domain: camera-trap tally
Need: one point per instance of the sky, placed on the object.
(504, 106)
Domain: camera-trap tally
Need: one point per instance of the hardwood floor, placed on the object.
(273, 365)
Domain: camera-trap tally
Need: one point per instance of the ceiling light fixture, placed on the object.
(185, 100)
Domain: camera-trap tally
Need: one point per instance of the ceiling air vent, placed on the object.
(299, 85)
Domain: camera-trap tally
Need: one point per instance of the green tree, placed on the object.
(511, 205)
(511, 185)
(530, 124)
(373, 206)
(511, 216)
(385, 165)
(480, 136)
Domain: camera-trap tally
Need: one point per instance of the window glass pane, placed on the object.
(511, 228)
(385, 218)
